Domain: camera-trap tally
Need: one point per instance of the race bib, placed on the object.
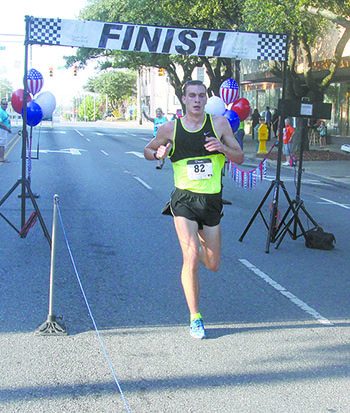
(199, 169)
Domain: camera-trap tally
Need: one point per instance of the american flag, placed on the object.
(229, 91)
(35, 81)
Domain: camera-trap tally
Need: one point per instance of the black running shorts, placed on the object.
(205, 209)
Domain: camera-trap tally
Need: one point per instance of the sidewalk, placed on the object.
(337, 171)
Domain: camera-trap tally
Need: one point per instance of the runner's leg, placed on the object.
(187, 232)
(210, 253)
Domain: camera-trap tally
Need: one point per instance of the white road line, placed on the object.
(104, 153)
(145, 139)
(303, 306)
(142, 182)
(76, 130)
(89, 140)
(99, 134)
(335, 203)
(304, 181)
(138, 154)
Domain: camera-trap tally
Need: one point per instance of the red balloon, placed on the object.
(242, 108)
(17, 100)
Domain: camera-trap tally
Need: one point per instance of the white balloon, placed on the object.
(47, 102)
(215, 106)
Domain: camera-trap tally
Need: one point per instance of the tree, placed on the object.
(305, 22)
(119, 86)
(211, 14)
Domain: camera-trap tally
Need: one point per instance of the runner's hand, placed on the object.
(163, 151)
(213, 144)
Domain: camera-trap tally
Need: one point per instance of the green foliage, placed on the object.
(117, 85)
(281, 16)
(212, 14)
(90, 109)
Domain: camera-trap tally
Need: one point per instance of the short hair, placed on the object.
(159, 109)
(192, 83)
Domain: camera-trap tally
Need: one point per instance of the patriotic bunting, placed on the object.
(249, 179)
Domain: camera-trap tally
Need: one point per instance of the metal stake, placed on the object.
(51, 326)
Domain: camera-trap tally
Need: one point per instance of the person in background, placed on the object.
(5, 129)
(240, 134)
(288, 133)
(323, 133)
(268, 121)
(158, 121)
(255, 121)
(275, 117)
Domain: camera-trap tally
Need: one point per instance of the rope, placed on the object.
(91, 315)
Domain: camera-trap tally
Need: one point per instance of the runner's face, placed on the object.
(195, 99)
(159, 113)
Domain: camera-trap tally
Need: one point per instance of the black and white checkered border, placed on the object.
(271, 46)
(45, 31)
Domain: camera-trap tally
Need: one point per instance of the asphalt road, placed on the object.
(278, 323)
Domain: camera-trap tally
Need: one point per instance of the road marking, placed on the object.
(142, 182)
(317, 316)
(304, 181)
(145, 139)
(335, 203)
(15, 139)
(99, 133)
(138, 154)
(104, 153)
(56, 131)
(89, 140)
(76, 130)
(72, 151)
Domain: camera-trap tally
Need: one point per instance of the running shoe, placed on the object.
(197, 329)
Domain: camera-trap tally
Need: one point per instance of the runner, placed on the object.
(197, 145)
(158, 121)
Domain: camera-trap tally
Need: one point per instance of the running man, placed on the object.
(197, 145)
(158, 121)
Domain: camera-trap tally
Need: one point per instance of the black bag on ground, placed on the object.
(318, 239)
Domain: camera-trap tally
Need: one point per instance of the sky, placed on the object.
(63, 84)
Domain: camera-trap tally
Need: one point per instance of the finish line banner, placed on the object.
(154, 39)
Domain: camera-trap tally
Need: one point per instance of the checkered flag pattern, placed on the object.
(45, 31)
(271, 46)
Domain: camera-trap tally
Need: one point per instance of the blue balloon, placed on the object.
(233, 118)
(34, 113)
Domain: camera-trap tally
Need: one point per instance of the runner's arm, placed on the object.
(228, 144)
(160, 145)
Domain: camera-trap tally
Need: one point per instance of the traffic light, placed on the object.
(51, 71)
(75, 70)
(161, 72)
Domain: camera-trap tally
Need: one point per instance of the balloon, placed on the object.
(35, 81)
(17, 100)
(47, 102)
(233, 118)
(242, 108)
(215, 106)
(229, 91)
(34, 113)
